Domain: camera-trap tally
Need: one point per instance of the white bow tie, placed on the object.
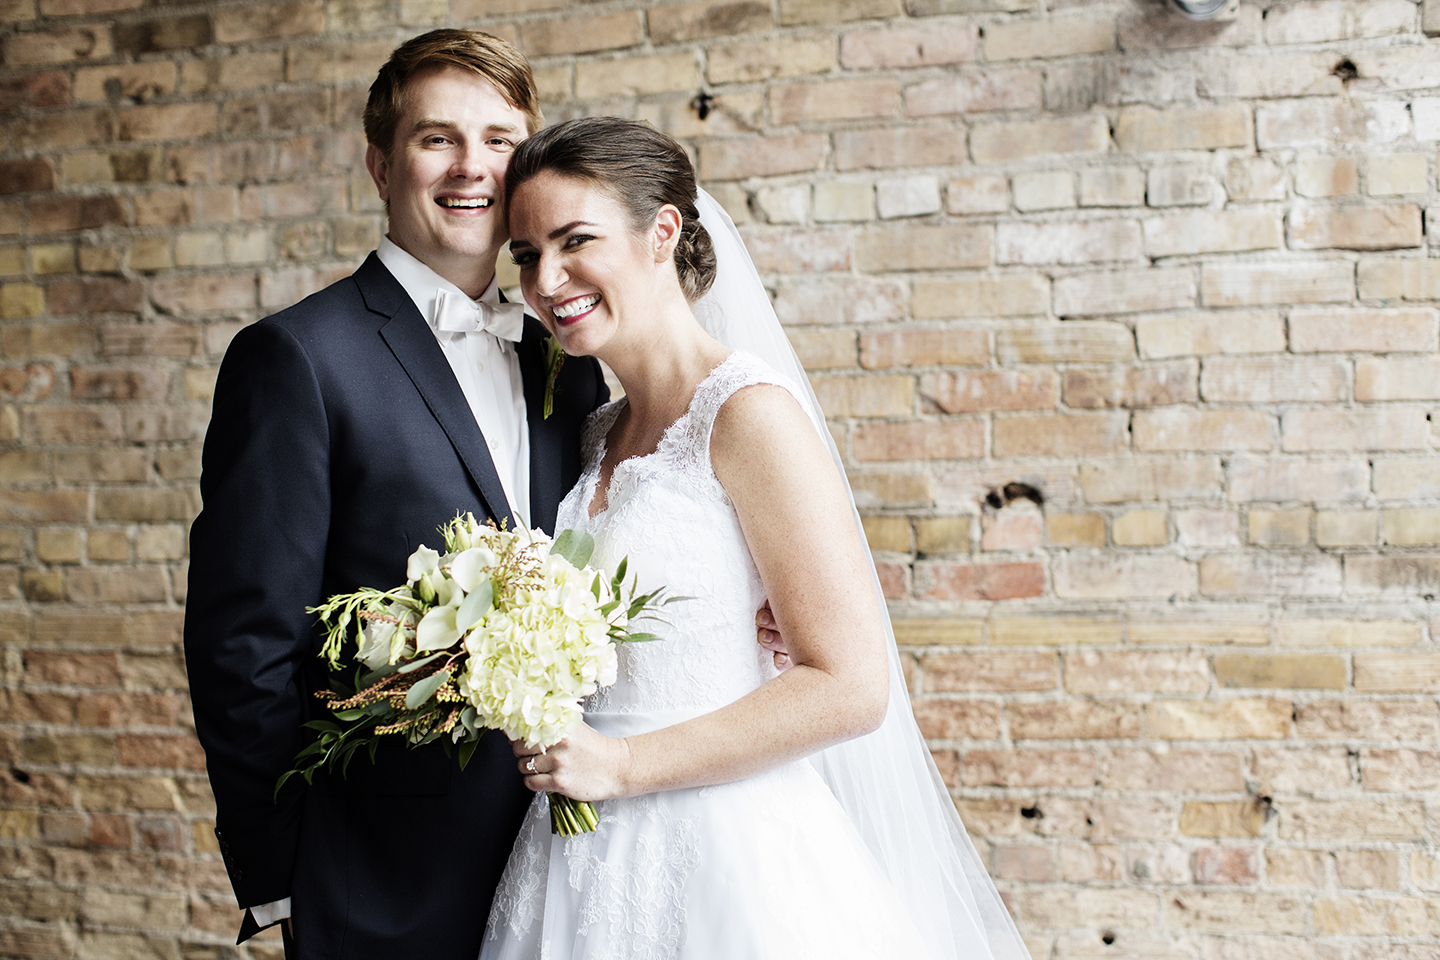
(454, 313)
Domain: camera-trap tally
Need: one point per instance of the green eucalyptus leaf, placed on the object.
(475, 605)
(467, 750)
(640, 638)
(414, 665)
(575, 546)
(425, 689)
(353, 714)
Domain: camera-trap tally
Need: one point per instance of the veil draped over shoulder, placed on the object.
(886, 781)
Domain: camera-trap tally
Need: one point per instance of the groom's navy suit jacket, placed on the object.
(339, 442)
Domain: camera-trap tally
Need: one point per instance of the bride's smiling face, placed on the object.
(583, 267)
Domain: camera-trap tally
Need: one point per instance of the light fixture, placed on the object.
(1201, 9)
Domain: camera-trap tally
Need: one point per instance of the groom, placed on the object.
(345, 430)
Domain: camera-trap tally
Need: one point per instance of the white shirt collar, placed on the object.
(422, 283)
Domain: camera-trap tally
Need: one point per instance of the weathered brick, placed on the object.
(1210, 333)
(1008, 142)
(1355, 228)
(300, 18)
(26, 176)
(666, 73)
(1140, 528)
(818, 250)
(832, 100)
(1105, 672)
(938, 631)
(1224, 819)
(1072, 719)
(1374, 428)
(1013, 528)
(923, 248)
(1148, 478)
(915, 196)
(1206, 128)
(844, 200)
(970, 672)
(694, 21)
(924, 440)
(1279, 528)
(984, 390)
(1229, 912)
(1131, 387)
(880, 49)
(929, 146)
(752, 61)
(1399, 770)
(986, 581)
(1066, 34)
(1358, 820)
(1346, 528)
(1240, 575)
(1295, 479)
(1114, 576)
(1318, 122)
(957, 719)
(1070, 342)
(58, 45)
(1218, 719)
(1414, 527)
(1180, 430)
(1048, 190)
(1255, 179)
(1207, 528)
(983, 194)
(881, 350)
(1075, 529)
(974, 92)
(1397, 672)
(1171, 770)
(1406, 479)
(1311, 671)
(794, 12)
(1068, 243)
(1179, 185)
(770, 156)
(1093, 294)
(1060, 435)
(1227, 232)
(1272, 381)
(866, 396)
(943, 535)
(1243, 285)
(1366, 719)
(1112, 187)
(1009, 295)
(1028, 768)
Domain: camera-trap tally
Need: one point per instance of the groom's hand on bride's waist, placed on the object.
(767, 633)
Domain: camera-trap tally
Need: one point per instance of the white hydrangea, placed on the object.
(541, 650)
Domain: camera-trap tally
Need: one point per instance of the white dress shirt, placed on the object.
(488, 369)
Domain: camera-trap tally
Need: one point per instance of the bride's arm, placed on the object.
(798, 524)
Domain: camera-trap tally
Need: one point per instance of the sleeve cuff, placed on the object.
(268, 914)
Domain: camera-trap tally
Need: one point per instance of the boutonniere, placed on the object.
(554, 360)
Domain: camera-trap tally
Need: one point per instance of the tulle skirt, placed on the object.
(768, 867)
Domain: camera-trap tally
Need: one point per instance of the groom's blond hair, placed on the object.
(490, 58)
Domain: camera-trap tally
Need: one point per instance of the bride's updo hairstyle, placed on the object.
(639, 166)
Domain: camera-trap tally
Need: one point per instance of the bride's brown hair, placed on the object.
(639, 166)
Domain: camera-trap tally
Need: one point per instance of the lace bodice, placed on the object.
(668, 514)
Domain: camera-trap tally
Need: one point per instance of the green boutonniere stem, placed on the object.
(554, 360)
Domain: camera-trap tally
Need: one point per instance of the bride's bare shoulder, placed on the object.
(762, 428)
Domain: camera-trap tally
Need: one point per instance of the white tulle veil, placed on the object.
(886, 781)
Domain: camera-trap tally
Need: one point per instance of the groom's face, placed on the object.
(444, 180)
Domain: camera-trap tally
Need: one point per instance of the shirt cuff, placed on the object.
(268, 914)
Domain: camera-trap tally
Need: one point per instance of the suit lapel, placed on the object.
(415, 347)
(546, 438)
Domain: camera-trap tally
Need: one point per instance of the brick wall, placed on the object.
(1127, 326)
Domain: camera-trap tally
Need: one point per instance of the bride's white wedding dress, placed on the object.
(767, 867)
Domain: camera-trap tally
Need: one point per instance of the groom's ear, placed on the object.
(667, 232)
(379, 168)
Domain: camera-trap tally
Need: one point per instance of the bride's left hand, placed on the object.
(587, 765)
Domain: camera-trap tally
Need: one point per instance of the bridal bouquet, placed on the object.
(504, 631)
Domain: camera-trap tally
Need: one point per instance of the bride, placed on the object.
(743, 813)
